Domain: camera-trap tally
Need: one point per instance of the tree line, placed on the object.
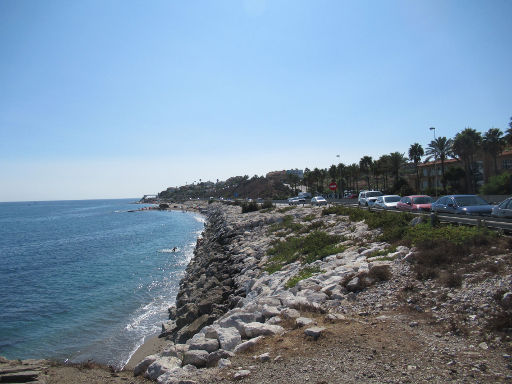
(386, 172)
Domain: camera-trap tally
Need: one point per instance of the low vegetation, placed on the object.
(304, 273)
(287, 225)
(306, 249)
(393, 225)
(441, 251)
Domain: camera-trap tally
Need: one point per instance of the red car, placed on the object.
(415, 203)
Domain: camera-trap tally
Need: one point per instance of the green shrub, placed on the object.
(267, 204)
(382, 252)
(287, 223)
(304, 273)
(309, 217)
(307, 249)
(249, 207)
(498, 185)
(424, 236)
(393, 225)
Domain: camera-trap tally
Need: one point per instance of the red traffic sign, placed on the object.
(333, 186)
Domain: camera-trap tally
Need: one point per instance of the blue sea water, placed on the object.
(83, 280)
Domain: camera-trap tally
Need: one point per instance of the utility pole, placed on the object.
(435, 158)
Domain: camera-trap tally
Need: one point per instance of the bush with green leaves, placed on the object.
(393, 225)
(249, 207)
(304, 273)
(498, 185)
(306, 249)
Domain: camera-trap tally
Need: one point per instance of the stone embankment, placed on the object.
(228, 304)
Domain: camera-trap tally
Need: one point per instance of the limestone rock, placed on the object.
(274, 320)
(168, 328)
(229, 338)
(269, 311)
(304, 321)
(144, 364)
(262, 329)
(248, 344)
(197, 358)
(224, 363)
(241, 374)
(314, 332)
(214, 357)
(202, 343)
(162, 365)
(210, 332)
(290, 313)
(263, 357)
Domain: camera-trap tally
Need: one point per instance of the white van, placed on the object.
(367, 198)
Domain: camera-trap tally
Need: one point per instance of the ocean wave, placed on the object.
(169, 250)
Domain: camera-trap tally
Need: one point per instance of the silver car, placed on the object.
(387, 201)
(503, 209)
(318, 200)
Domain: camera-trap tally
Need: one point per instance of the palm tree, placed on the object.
(353, 171)
(440, 149)
(493, 143)
(508, 136)
(308, 179)
(316, 177)
(415, 154)
(384, 166)
(323, 176)
(396, 161)
(465, 146)
(365, 165)
(341, 171)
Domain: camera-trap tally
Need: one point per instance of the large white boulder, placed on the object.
(161, 365)
(262, 329)
(229, 338)
(197, 358)
(209, 345)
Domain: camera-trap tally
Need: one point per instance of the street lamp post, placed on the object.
(339, 187)
(435, 159)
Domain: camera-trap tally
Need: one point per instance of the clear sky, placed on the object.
(108, 98)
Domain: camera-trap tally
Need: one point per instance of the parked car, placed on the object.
(415, 203)
(318, 200)
(367, 198)
(503, 209)
(296, 200)
(462, 204)
(387, 201)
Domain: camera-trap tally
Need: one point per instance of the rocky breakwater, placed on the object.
(236, 292)
(208, 290)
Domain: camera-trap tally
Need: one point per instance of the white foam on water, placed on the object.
(169, 250)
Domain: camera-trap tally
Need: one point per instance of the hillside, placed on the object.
(234, 187)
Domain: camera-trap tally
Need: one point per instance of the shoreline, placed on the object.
(360, 317)
(154, 344)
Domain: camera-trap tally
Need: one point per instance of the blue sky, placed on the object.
(104, 99)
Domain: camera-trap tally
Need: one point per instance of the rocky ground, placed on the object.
(363, 315)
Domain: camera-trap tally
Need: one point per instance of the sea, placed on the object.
(90, 279)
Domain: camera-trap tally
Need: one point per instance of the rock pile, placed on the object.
(227, 303)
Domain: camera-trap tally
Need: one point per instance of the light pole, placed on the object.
(340, 193)
(435, 158)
